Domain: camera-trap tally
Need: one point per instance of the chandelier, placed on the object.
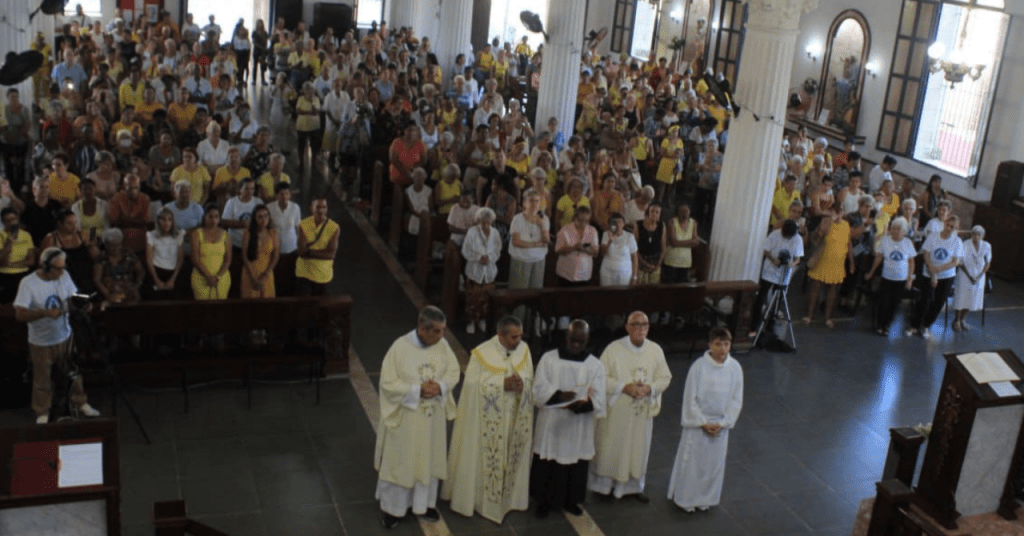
(954, 68)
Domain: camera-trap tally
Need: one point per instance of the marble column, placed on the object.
(451, 34)
(748, 172)
(560, 72)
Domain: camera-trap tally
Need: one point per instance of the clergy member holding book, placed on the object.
(489, 460)
(416, 381)
(569, 389)
(636, 376)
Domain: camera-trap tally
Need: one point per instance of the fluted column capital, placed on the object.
(778, 14)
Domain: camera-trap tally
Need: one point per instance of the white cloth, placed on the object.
(623, 438)
(474, 247)
(286, 221)
(420, 202)
(35, 293)
(213, 156)
(967, 295)
(775, 244)
(934, 225)
(397, 501)
(713, 395)
(460, 218)
(877, 177)
(429, 140)
(851, 201)
(941, 251)
(246, 132)
(165, 248)
(617, 264)
(236, 209)
(528, 232)
(561, 435)
(896, 258)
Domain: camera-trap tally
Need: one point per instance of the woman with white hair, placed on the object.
(895, 254)
(213, 151)
(117, 273)
(908, 210)
(969, 289)
(481, 250)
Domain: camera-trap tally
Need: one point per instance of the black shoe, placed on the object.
(542, 511)
(573, 509)
(432, 514)
(642, 497)
(605, 497)
(388, 521)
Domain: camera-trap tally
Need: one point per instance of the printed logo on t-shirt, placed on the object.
(940, 254)
(896, 256)
(53, 302)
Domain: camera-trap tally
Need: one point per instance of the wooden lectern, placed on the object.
(974, 447)
(44, 490)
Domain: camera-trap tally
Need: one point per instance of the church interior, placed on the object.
(935, 84)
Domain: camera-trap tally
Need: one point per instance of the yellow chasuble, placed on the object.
(489, 462)
(411, 437)
(623, 438)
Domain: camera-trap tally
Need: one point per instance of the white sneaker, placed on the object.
(88, 410)
(483, 326)
(43, 419)
(471, 327)
(926, 334)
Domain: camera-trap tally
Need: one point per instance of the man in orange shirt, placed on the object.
(129, 211)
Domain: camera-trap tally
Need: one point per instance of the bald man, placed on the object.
(636, 376)
(569, 390)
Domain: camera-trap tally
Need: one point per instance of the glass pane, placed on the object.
(917, 60)
(734, 46)
(737, 15)
(992, 3)
(900, 57)
(727, 15)
(903, 136)
(895, 89)
(907, 20)
(885, 136)
(924, 20)
(730, 71)
(910, 97)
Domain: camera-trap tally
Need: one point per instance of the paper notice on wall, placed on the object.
(80, 465)
(988, 367)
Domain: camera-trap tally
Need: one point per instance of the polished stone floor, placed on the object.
(808, 446)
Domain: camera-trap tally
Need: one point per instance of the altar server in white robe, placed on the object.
(969, 289)
(636, 375)
(416, 381)
(569, 389)
(712, 399)
(489, 460)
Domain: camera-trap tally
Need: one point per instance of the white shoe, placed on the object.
(483, 326)
(926, 334)
(43, 419)
(88, 410)
(909, 332)
(471, 327)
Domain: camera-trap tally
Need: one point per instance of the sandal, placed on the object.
(829, 324)
(806, 320)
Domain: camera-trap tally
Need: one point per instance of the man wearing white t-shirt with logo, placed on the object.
(782, 252)
(285, 215)
(236, 216)
(895, 254)
(43, 301)
(942, 253)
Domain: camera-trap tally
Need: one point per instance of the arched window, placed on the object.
(842, 72)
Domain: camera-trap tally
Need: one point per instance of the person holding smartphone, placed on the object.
(576, 247)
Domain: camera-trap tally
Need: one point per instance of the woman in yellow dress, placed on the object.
(829, 264)
(260, 252)
(671, 153)
(890, 199)
(211, 257)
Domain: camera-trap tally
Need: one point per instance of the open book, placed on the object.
(988, 367)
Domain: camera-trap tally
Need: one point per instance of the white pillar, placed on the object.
(451, 34)
(748, 172)
(560, 70)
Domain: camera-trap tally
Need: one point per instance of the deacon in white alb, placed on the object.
(570, 391)
(712, 399)
(636, 375)
(489, 461)
(416, 381)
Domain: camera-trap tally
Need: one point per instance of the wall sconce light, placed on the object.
(871, 69)
(813, 51)
(676, 15)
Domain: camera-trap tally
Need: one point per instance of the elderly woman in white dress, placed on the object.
(969, 294)
(481, 250)
(618, 251)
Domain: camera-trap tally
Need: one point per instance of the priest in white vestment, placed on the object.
(489, 459)
(636, 376)
(569, 390)
(712, 399)
(416, 381)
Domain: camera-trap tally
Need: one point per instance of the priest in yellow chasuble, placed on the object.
(416, 381)
(637, 375)
(489, 461)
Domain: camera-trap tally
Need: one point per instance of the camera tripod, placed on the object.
(775, 302)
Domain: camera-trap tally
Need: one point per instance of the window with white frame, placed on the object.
(368, 12)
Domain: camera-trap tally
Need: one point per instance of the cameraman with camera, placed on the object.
(354, 136)
(782, 252)
(44, 302)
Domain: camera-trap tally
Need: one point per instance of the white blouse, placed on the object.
(165, 248)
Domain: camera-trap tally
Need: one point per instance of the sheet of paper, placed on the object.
(581, 394)
(80, 465)
(988, 367)
(1004, 389)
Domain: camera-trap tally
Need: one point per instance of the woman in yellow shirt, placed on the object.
(307, 108)
(890, 199)
(227, 178)
(211, 257)
(671, 154)
(63, 185)
(197, 176)
(17, 254)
